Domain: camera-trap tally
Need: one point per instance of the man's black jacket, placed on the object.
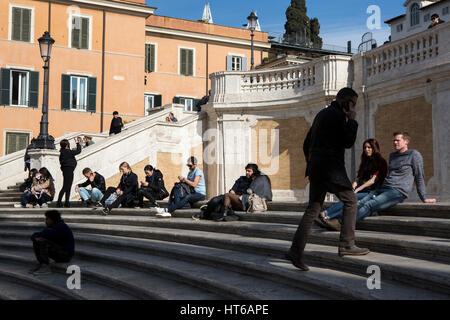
(324, 147)
(241, 185)
(99, 183)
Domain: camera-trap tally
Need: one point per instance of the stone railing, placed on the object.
(412, 54)
(322, 76)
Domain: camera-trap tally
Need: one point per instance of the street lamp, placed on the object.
(44, 140)
(252, 23)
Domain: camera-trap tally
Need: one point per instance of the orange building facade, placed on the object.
(107, 56)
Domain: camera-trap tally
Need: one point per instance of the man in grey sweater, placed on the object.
(405, 167)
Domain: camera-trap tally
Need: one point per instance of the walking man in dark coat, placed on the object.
(334, 129)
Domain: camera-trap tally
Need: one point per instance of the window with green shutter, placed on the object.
(16, 141)
(186, 62)
(21, 24)
(150, 57)
(80, 32)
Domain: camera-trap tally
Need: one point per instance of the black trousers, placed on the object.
(149, 194)
(45, 249)
(317, 193)
(67, 183)
(126, 200)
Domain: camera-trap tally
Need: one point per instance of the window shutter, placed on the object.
(5, 86)
(157, 100)
(84, 33)
(229, 62)
(34, 89)
(244, 64)
(176, 100)
(16, 23)
(10, 143)
(22, 141)
(147, 57)
(152, 57)
(26, 25)
(75, 32)
(92, 94)
(190, 63)
(65, 92)
(16, 141)
(183, 62)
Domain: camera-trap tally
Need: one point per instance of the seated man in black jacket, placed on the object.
(153, 187)
(239, 188)
(126, 191)
(98, 187)
(55, 242)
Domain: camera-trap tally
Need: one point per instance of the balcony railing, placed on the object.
(327, 74)
(411, 54)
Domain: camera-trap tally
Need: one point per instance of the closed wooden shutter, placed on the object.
(65, 92)
(76, 25)
(5, 87)
(26, 25)
(92, 94)
(157, 102)
(84, 33)
(34, 89)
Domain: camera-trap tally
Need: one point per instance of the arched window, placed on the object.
(415, 19)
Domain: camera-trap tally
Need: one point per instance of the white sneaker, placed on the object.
(18, 205)
(44, 205)
(164, 214)
(160, 210)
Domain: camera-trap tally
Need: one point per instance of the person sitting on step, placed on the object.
(125, 193)
(371, 174)
(98, 188)
(54, 242)
(195, 182)
(405, 168)
(25, 188)
(233, 200)
(42, 191)
(153, 187)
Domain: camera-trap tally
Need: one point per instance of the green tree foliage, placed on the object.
(299, 28)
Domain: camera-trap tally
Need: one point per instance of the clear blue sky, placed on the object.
(340, 20)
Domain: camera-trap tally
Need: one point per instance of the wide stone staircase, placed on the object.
(131, 254)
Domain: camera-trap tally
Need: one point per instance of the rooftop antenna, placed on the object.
(207, 16)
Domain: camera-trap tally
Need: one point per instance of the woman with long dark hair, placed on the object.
(68, 163)
(371, 173)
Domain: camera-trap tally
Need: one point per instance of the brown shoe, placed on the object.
(333, 224)
(353, 251)
(296, 261)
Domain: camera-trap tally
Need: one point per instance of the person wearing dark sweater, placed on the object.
(153, 187)
(125, 193)
(116, 124)
(56, 242)
(98, 187)
(68, 163)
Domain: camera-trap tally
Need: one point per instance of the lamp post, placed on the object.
(44, 140)
(252, 23)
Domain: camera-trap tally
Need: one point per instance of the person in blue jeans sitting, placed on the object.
(405, 168)
(98, 188)
(371, 174)
(196, 181)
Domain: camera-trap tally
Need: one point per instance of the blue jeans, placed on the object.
(178, 203)
(94, 195)
(335, 211)
(378, 200)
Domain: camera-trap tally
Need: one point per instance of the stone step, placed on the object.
(277, 247)
(90, 287)
(10, 193)
(432, 227)
(114, 282)
(9, 198)
(32, 287)
(423, 247)
(223, 283)
(320, 278)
